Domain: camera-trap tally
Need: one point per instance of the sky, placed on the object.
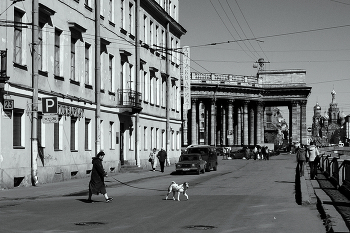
(312, 35)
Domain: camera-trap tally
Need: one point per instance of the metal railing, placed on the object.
(337, 170)
(224, 79)
(129, 98)
(3, 63)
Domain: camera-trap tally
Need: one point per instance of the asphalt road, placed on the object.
(242, 196)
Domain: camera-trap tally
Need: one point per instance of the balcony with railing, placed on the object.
(3, 66)
(129, 100)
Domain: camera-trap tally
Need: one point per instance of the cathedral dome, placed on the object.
(317, 110)
(317, 107)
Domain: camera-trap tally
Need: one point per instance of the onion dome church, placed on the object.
(328, 128)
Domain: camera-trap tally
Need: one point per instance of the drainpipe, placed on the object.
(137, 83)
(34, 140)
(97, 78)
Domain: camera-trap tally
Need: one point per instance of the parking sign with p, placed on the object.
(50, 105)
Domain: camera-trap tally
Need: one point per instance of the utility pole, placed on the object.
(97, 77)
(168, 86)
(34, 107)
(137, 83)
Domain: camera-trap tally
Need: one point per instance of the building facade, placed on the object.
(112, 66)
(230, 110)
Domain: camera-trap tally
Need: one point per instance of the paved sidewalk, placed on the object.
(73, 186)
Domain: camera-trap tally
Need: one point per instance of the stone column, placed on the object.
(259, 122)
(194, 122)
(206, 122)
(245, 122)
(201, 122)
(223, 134)
(251, 127)
(230, 123)
(212, 122)
(218, 124)
(295, 121)
(239, 126)
(185, 128)
(303, 128)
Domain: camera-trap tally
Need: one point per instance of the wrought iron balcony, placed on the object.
(129, 100)
(3, 66)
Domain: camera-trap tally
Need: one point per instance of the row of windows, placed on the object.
(156, 138)
(152, 137)
(153, 90)
(109, 6)
(60, 135)
(153, 34)
(151, 83)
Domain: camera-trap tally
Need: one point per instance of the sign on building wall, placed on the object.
(186, 78)
(50, 105)
(50, 118)
(8, 104)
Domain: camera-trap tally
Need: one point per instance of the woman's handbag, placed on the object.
(150, 160)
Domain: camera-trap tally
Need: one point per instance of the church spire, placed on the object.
(333, 93)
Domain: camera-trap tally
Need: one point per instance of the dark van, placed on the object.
(208, 154)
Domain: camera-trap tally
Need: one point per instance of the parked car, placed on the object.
(238, 154)
(208, 154)
(191, 162)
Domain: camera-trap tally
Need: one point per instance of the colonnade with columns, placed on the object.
(229, 122)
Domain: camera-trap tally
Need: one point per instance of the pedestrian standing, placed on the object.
(162, 157)
(247, 152)
(313, 159)
(263, 152)
(152, 159)
(259, 153)
(255, 153)
(97, 184)
(267, 153)
(301, 158)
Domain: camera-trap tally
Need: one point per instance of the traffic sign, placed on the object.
(50, 105)
(50, 118)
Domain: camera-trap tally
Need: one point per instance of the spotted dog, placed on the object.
(177, 188)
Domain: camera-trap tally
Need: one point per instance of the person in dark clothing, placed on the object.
(97, 184)
(301, 159)
(267, 153)
(263, 152)
(162, 156)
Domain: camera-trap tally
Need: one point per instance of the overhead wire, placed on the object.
(340, 2)
(245, 36)
(250, 29)
(230, 31)
(271, 36)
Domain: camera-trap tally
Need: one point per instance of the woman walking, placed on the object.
(152, 159)
(97, 184)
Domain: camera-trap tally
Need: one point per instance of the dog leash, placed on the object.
(135, 186)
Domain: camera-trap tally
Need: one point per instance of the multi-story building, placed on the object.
(112, 66)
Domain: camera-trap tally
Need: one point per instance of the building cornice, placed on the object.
(158, 11)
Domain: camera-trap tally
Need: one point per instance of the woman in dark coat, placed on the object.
(97, 184)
